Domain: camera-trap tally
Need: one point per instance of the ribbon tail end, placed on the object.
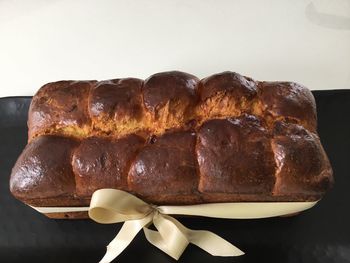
(235, 252)
(109, 256)
(239, 253)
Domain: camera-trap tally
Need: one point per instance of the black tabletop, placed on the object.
(321, 234)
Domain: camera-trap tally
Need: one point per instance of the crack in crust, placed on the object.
(165, 101)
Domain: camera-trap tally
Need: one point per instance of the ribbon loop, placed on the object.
(110, 206)
(170, 238)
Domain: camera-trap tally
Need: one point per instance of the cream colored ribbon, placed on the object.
(110, 206)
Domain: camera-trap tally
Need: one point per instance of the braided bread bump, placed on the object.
(42, 175)
(60, 108)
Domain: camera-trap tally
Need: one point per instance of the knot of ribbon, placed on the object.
(114, 206)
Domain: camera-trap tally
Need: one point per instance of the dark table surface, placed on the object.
(321, 234)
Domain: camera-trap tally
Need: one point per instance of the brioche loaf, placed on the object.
(172, 139)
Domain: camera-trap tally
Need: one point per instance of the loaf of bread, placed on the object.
(172, 139)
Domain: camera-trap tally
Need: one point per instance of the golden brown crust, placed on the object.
(116, 105)
(302, 163)
(173, 86)
(170, 99)
(164, 171)
(172, 139)
(235, 157)
(104, 163)
(225, 94)
(43, 169)
(60, 108)
(289, 100)
(165, 101)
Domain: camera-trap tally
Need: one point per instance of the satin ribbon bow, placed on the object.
(110, 206)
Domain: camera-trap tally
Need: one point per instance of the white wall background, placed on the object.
(303, 41)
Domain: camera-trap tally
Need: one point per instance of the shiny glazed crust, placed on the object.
(172, 139)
